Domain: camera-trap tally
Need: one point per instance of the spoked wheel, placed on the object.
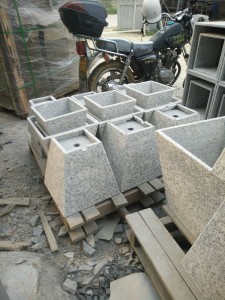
(176, 68)
(106, 74)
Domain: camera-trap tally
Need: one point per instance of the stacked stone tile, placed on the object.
(205, 82)
(99, 145)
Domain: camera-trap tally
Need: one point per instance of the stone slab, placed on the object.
(78, 174)
(59, 116)
(170, 116)
(150, 94)
(205, 262)
(106, 233)
(187, 155)
(136, 286)
(130, 145)
(109, 105)
(216, 102)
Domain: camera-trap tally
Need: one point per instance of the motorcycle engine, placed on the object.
(165, 73)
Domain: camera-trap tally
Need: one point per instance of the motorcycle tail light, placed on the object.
(81, 48)
(106, 57)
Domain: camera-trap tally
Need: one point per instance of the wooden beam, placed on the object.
(24, 201)
(90, 213)
(146, 188)
(12, 246)
(6, 210)
(119, 200)
(49, 234)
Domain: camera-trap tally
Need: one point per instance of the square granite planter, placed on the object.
(150, 94)
(130, 145)
(78, 174)
(188, 156)
(38, 101)
(43, 139)
(205, 262)
(173, 115)
(109, 105)
(80, 97)
(59, 116)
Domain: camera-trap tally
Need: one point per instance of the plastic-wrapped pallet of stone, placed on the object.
(41, 50)
(204, 88)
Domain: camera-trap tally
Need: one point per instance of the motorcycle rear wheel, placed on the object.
(106, 73)
(176, 68)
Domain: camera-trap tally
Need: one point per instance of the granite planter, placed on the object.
(78, 174)
(59, 116)
(109, 105)
(150, 94)
(189, 156)
(130, 145)
(38, 101)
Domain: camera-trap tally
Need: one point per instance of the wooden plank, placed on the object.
(158, 197)
(75, 221)
(6, 210)
(90, 214)
(189, 236)
(169, 245)
(146, 188)
(169, 275)
(119, 200)
(91, 228)
(12, 64)
(49, 234)
(12, 246)
(149, 268)
(147, 201)
(156, 184)
(22, 201)
(76, 234)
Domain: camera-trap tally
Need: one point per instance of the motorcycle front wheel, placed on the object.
(176, 68)
(108, 73)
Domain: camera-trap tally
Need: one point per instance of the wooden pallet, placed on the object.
(83, 223)
(160, 255)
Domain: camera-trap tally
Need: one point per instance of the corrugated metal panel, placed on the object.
(129, 14)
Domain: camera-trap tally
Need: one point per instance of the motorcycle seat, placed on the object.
(141, 49)
(123, 46)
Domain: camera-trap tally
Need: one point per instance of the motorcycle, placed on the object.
(120, 61)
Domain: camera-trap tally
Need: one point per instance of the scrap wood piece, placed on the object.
(158, 197)
(75, 221)
(76, 234)
(7, 209)
(119, 200)
(156, 184)
(12, 246)
(90, 214)
(147, 201)
(49, 234)
(22, 201)
(146, 188)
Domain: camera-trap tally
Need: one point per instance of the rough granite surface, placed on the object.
(109, 105)
(59, 116)
(205, 262)
(187, 155)
(78, 174)
(130, 145)
(150, 94)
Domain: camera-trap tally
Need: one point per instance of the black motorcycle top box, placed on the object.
(84, 18)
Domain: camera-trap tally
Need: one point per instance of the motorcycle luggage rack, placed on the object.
(116, 52)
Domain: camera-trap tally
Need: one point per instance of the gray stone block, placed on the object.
(80, 97)
(187, 156)
(221, 112)
(78, 174)
(200, 95)
(209, 52)
(130, 145)
(205, 262)
(43, 139)
(109, 105)
(173, 115)
(216, 101)
(150, 94)
(148, 113)
(37, 101)
(59, 116)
